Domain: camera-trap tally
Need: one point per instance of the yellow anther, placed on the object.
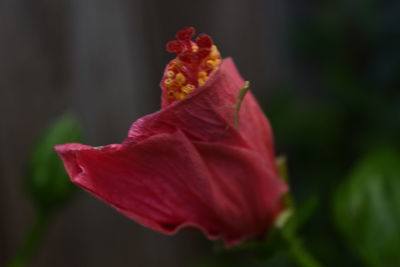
(185, 89)
(214, 52)
(201, 81)
(170, 74)
(180, 78)
(211, 63)
(202, 74)
(188, 88)
(173, 65)
(179, 95)
(168, 81)
(195, 48)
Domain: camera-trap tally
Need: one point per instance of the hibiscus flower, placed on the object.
(200, 161)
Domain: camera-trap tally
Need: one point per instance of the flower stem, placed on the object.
(299, 252)
(31, 241)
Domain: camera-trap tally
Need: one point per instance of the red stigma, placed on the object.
(174, 46)
(203, 40)
(203, 53)
(185, 34)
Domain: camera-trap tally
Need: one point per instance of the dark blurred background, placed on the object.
(327, 74)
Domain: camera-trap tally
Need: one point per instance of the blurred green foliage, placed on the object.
(47, 182)
(367, 208)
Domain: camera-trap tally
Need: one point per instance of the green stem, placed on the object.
(299, 252)
(296, 248)
(31, 241)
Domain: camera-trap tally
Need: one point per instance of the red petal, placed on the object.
(167, 183)
(247, 191)
(162, 182)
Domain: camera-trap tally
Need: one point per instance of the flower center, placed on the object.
(194, 63)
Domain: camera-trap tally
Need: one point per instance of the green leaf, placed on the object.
(367, 208)
(47, 181)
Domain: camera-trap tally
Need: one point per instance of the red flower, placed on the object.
(187, 164)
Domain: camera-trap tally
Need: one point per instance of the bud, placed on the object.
(47, 182)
